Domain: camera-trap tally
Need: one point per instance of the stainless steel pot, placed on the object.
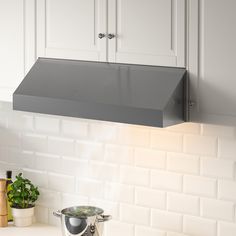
(82, 220)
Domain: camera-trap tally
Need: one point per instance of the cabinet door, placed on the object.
(147, 32)
(69, 29)
(213, 61)
(16, 43)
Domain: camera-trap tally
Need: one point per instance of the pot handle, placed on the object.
(57, 213)
(102, 218)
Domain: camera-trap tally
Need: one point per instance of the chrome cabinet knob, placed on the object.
(111, 36)
(101, 35)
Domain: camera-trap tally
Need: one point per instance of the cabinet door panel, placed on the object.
(213, 79)
(16, 43)
(147, 31)
(70, 28)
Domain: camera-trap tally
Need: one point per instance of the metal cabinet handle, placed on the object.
(101, 35)
(111, 36)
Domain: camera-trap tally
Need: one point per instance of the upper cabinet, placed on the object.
(16, 43)
(147, 32)
(11, 46)
(125, 31)
(150, 32)
(69, 29)
(212, 61)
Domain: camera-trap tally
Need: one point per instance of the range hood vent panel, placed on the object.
(134, 94)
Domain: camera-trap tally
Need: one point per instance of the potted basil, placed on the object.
(22, 196)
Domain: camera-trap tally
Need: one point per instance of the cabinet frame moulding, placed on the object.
(195, 66)
(28, 42)
(174, 56)
(96, 53)
(107, 19)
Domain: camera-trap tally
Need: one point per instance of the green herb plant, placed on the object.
(23, 193)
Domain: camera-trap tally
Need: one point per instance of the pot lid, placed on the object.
(82, 211)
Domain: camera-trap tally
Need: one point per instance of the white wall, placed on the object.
(158, 182)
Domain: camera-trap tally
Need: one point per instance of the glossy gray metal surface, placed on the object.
(135, 94)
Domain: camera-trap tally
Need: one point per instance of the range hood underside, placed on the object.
(113, 92)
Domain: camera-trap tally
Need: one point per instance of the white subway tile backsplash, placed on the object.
(34, 142)
(119, 154)
(39, 178)
(200, 145)
(134, 175)
(200, 186)
(227, 148)
(110, 208)
(168, 141)
(49, 199)
(183, 203)
(47, 124)
(61, 183)
(74, 128)
(103, 171)
(217, 209)
(142, 231)
(217, 130)
(103, 132)
(6, 106)
(71, 166)
(134, 214)
(20, 121)
(47, 162)
(119, 192)
(196, 226)
(175, 234)
(133, 136)
(3, 119)
(150, 158)
(24, 159)
(217, 168)
(148, 179)
(118, 228)
(89, 151)
(183, 163)
(27, 159)
(68, 200)
(187, 128)
(6, 166)
(4, 154)
(150, 198)
(61, 146)
(41, 214)
(227, 190)
(166, 180)
(9, 138)
(166, 220)
(228, 229)
(90, 188)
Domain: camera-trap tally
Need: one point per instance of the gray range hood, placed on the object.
(134, 94)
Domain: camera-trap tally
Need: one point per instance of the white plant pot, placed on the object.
(23, 217)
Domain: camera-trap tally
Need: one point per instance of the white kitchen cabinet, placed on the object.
(212, 61)
(69, 29)
(16, 47)
(145, 31)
